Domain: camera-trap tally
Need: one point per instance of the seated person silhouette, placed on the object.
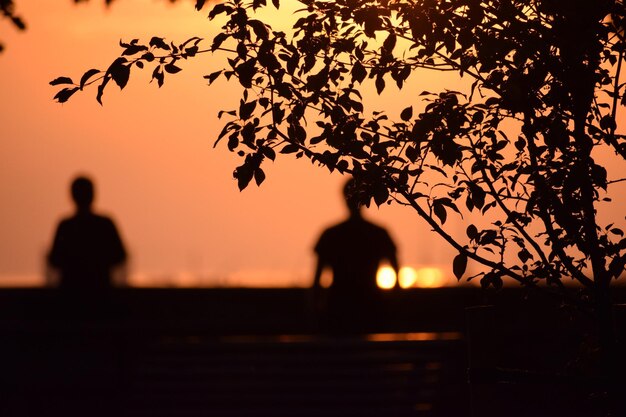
(87, 246)
(354, 250)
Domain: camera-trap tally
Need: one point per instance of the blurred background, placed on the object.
(150, 152)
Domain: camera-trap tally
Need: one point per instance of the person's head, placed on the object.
(82, 193)
(351, 196)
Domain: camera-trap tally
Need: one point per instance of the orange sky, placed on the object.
(150, 151)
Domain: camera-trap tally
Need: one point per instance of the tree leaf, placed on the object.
(411, 153)
(278, 114)
(213, 76)
(390, 42)
(258, 3)
(133, 49)
(87, 75)
(268, 152)
(259, 176)
(64, 95)
(159, 43)
(259, 28)
(524, 255)
(459, 264)
(243, 174)
(246, 72)
(472, 232)
(608, 123)
(290, 148)
(342, 166)
(233, 142)
(407, 114)
(120, 75)
(381, 194)
(219, 9)
(380, 84)
(101, 87)
(61, 80)
(119, 72)
(478, 196)
(218, 40)
(358, 72)
(158, 75)
(440, 212)
(172, 68)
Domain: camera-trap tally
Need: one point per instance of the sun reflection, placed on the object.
(407, 277)
(386, 277)
(430, 277)
(417, 336)
(410, 277)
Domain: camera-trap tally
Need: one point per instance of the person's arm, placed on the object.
(119, 274)
(117, 251)
(52, 275)
(55, 258)
(318, 273)
(118, 257)
(320, 251)
(316, 298)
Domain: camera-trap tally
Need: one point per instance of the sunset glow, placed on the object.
(150, 152)
(430, 277)
(422, 277)
(407, 277)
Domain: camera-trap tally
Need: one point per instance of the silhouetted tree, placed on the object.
(519, 145)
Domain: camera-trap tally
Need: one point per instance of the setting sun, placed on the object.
(386, 277)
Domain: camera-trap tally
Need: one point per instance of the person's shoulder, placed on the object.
(93, 220)
(337, 228)
(100, 217)
(371, 225)
(330, 233)
(67, 221)
(104, 220)
(376, 231)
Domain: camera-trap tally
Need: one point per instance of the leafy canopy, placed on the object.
(519, 146)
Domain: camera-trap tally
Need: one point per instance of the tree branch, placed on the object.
(545, 216)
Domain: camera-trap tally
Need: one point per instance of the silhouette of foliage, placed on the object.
(518, 145)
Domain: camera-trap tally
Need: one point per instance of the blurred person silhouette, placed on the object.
(354, 250)
(87, 250)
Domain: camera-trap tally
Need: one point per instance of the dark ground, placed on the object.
(233, 352)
